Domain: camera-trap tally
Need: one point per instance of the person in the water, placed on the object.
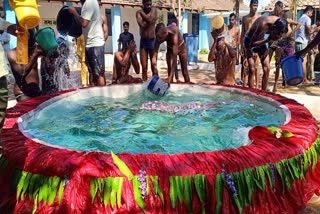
(223, 54)
(122, 63)
(175, 47)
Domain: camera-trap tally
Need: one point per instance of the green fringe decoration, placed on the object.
(181, 189)
(250, 179)
(156, 188)
(107, 190)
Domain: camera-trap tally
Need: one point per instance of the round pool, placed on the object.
(190, 119)
(122, 149)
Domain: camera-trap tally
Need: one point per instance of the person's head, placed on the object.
(161, 32)
(279, 28)
(232, 18)
(254, 6)
(278, 7)
(308, 10)
(82, 1)
(125, 27)
(147, 4)
(220, 43)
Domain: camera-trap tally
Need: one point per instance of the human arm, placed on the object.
(149, 18)
(24, 70)
(173, 58)
(81, 21)
(212, 55)
(230, 49)
(296, 24)
(154, 58)
(311, 45)
(105, 27)
(141, 22)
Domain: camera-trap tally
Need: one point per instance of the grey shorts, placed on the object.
(95, 59)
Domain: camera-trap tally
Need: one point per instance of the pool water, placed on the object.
(183, 121)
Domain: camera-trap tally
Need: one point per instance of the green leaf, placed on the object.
(156, 188)
(113, 196)
(119, 191)
(314, 158)
(53, 189)
(43, 192)
(219, 191)
(248, 177)
(293, 164)
(93, 189)
(107, 190)
(137, 193)
(179, 185)
(148, 185)
(122, 166)
(200, 184)
(35, 205)
(173, 191)
(188, 192)
(20, 184)
(273, 129)
(61, 190)
(286, 134)
(278, 167)
(25, 185)
(237, 201)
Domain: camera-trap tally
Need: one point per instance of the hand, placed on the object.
(131, 46)
(38, 51)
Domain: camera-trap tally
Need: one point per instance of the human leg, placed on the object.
(96, 63)
(184, 65)
(265, 62)
(144, 64)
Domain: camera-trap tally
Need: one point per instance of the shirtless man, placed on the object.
(175, 46)
(234, 31)
(224, 56)
(247, 22)
(26, 76)
(254, 42)
(146, 18)
(122, 62)
(285, 46)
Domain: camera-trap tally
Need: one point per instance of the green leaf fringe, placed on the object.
(43, 189)
(249, 180)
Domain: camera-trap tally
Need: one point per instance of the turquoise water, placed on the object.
(144, 123)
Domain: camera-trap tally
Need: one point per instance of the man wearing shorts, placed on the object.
(146, 18)
(303, 36)
(91, 23)
(254, 42)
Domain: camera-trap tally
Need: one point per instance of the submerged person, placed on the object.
(175, 47)
(223, 54)
(26, 76)
(146, 18)
(122, 63)
(255, 42)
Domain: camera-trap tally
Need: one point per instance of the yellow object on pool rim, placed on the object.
(22, 47)
(27, 12)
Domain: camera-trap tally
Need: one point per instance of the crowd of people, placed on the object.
(263, 38)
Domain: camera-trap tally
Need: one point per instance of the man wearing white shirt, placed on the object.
(91, 23)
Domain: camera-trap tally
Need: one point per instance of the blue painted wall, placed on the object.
(116, 26)
(185, 23)
(204, 32)
(10, 17)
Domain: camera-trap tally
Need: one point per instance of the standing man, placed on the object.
(303, 36)
(4, 71)
(175, 46)
(125, 37)
(254, 42)
(247, 22)
(146, 18)
(92, 29)
(233, 31)
(284, 46)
